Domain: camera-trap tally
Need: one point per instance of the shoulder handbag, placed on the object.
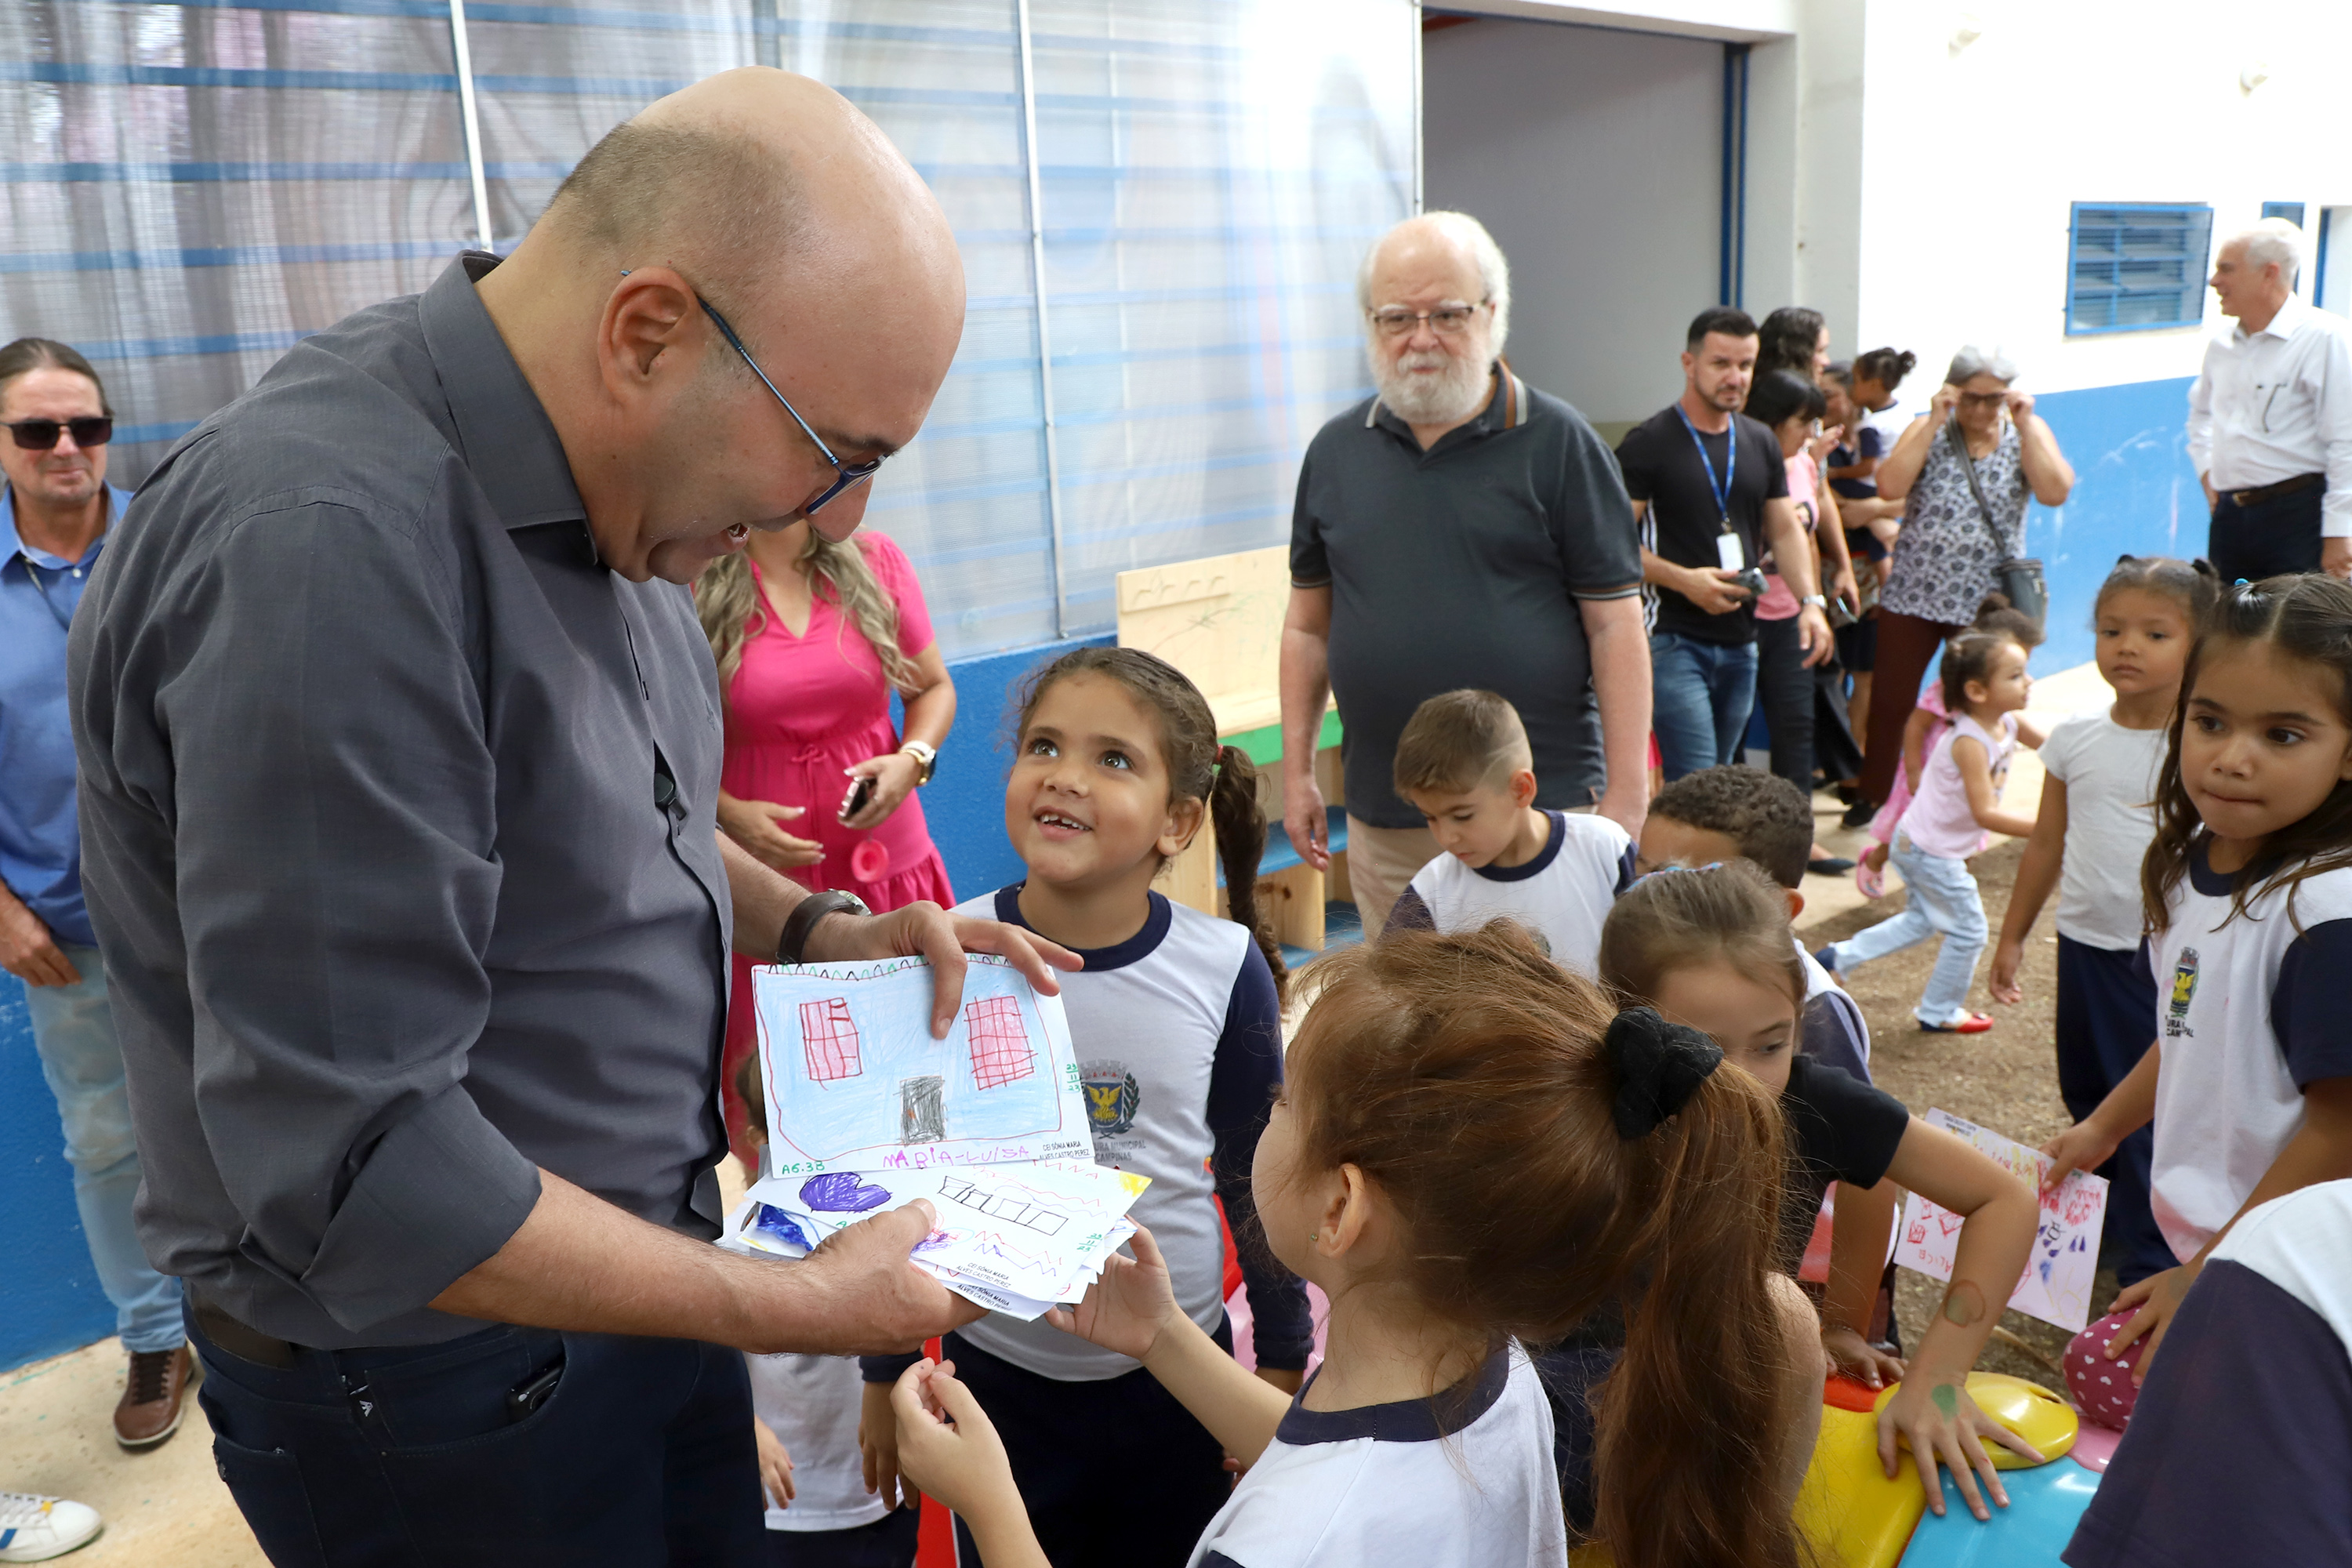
(2017, 577)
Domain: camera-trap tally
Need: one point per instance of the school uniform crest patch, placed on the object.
(1113, 1097)
(2184, 990)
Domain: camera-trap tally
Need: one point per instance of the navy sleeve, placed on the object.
(1626, 873)
(2235, 1452)
(1248, 1067)
(1634, 458)
(2144, 966)
(1409, 912)
(1873, 441)
(886, 1368)
(1310, 566)
(2307, 1012)
(1834, 1032)
(1844, 1129)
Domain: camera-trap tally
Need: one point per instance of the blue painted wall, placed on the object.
(50, 1298)
(2135, 494)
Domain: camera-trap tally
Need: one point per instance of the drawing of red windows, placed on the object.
(830, 1040)
(1000, 1041)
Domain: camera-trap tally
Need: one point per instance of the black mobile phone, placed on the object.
(859, 793)
(527, 1396)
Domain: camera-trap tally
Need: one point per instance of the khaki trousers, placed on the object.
(1380, 861)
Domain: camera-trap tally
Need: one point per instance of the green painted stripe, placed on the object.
(1264, 746)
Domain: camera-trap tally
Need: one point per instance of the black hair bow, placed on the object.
(1659, 1066)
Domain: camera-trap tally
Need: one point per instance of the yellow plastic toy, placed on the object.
(2028, 1409)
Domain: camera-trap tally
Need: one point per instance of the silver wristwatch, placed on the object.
(1815, 600)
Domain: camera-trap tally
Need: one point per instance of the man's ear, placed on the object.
(648, 327)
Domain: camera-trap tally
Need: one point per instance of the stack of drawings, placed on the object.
(867, 1113)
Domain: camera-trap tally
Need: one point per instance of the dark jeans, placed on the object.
(1700, 695)
(1114, 1472)
(1784, 690)
(2106, 1013)
(388, 1458)
(2259, 542)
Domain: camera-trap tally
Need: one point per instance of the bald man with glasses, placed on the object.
(400, 750)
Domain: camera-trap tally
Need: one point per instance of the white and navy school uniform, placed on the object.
(1562, 895)
(1179, 1038)
(2249, 1013)
(1463, 1480)
(1833, 1028)
(2237, 1447)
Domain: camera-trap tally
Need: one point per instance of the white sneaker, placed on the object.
(36, 1529)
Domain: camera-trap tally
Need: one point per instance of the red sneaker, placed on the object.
(1974, 1023)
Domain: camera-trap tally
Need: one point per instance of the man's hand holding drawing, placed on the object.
(879, 1302)
(926, 930)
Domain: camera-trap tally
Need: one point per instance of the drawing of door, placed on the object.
(922, 1108)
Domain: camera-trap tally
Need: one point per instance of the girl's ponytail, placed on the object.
(1685, 1472)
(1240, 825)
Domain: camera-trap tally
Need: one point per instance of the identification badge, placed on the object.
(1728, 550)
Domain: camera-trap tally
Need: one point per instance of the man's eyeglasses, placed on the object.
(844, 474)
(1446, 321)
(41, 435)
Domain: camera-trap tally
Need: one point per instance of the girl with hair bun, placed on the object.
(1473, 1153)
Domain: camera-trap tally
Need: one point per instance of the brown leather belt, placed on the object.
(247, 1344)
(2261, 493)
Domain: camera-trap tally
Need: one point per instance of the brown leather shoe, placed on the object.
(154, 1396)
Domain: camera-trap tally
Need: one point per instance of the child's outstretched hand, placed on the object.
(2158, 1297)
(1126, 1308)
(947, 1446)
(2085, 1146)
(1941, 1421)
(1857, 1358)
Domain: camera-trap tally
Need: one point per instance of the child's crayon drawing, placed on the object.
(2057, 1284)
(855, 1081)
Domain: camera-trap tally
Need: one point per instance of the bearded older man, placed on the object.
(1460, 529)
(400, 750)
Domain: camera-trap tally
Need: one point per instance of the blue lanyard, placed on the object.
(1720, 487)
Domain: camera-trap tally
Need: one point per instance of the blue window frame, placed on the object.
(2291, 211)
(2136, 267)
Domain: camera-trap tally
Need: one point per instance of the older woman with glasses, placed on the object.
(1952, 543)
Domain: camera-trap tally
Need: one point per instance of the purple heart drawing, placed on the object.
(843, 1191)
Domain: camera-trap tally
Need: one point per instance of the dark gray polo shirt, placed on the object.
(1461, 566)
(374, 838)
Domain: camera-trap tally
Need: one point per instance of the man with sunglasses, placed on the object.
(401, 748)
(54, 514)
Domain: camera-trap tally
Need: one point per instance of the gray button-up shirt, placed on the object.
(396, 900)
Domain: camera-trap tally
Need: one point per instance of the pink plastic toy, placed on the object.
(2102, 1389)
(870, 861)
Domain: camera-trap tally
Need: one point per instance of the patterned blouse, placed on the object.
(1943, 558)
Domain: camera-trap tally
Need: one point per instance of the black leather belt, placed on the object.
(2261, 493)
(247, 1344)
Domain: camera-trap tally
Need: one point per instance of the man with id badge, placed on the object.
(1712, 498)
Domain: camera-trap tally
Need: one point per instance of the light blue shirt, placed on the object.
(40, 838)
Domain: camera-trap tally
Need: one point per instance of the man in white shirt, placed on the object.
(2270, 419)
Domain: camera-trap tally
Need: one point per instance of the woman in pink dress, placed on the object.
(812, 637)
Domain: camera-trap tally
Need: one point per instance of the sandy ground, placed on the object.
(168, 1506)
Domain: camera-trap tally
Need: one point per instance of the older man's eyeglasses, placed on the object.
(844, 474)
(1447, 321)
(41, 435)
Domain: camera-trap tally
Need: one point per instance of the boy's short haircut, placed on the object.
(1768, 817)
(1461, 741)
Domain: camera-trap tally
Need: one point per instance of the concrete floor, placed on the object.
(168, 1506)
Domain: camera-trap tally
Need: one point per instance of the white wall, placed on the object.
(1595, 157)
(1972, 155)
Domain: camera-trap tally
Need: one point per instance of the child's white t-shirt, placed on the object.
(2247, 1012)
(2110, 775)
(1562, 895)
(1465, 1480)
(1939, 819)
(811, 1403)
